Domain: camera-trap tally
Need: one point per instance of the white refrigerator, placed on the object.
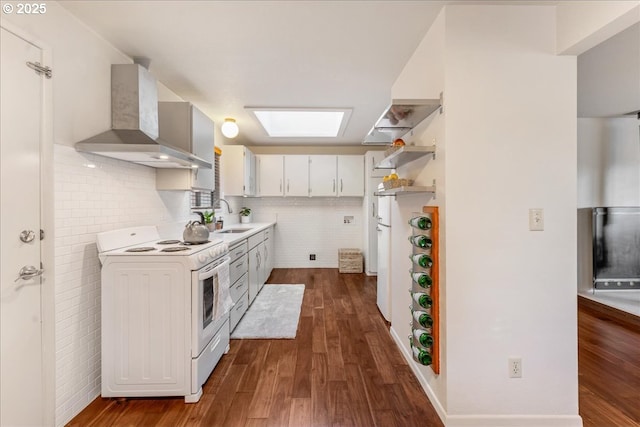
(384, 256)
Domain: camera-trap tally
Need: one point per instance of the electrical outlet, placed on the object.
(515, 367)
(312, 257)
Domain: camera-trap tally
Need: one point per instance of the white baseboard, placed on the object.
(483, 420)
(513, 421)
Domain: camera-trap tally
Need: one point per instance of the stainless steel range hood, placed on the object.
(133, 136)
(399, 118)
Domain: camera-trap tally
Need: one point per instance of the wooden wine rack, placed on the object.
(430, 212)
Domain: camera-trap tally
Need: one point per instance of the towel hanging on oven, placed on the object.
(223, 301)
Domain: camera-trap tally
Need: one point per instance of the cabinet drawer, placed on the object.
(237, 268)
(256, 239)
(239, 288)
(237, 251)
(238, 310)
(266, 234)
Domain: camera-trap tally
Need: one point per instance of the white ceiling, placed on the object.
(225, 55)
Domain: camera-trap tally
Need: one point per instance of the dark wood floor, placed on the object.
(608, 367)
(343, 369)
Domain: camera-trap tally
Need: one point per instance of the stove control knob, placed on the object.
(202, 258)
(213, 253)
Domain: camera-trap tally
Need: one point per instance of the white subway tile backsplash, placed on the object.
(308, 225)
(112, 195)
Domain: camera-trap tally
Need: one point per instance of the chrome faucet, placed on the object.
(227, 203)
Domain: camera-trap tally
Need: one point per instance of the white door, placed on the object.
(296, 175)
(351, 176)
(322, 176)
(270, 175)
(21, 370)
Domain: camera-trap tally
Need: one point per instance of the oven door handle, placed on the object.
(212, 271)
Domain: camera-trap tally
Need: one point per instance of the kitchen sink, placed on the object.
(234, 230)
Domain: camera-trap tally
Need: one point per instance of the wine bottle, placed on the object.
(421, 222)
(422, 279)
(420, 354)
(423, 337)
(420, 241)
(423, 260)
(422, 317)
(423, 299)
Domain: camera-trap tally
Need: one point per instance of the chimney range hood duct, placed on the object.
(134, 124)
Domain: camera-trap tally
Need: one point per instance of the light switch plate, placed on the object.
(536, 219)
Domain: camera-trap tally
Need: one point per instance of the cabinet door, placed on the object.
(372, 158)
(269, 252)
(262, 266)
(254, 273)
(202, 142)
(270, 175)
(249, 173)
(236, 170)
(322, 176)
(296, 175)
(351, 176)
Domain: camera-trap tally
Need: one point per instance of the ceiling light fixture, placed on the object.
(230, 128)
(302, 122)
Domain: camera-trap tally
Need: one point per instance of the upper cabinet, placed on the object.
(310, 175)
(270, 171)
(322, 176)
(331, 175)
(350, 181)
(184, 126)
(399, 118)
(238, 171)
(296, 175)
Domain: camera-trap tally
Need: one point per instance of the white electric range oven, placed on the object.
(165, 313)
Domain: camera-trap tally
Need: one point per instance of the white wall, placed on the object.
(508, 144)
(87, 200)
(608, 162)
(511, 146)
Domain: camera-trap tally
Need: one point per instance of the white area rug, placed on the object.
(274, 313)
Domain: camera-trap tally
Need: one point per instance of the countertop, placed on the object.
(233, 238)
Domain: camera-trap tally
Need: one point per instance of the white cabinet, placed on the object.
(238, 171)
(256, 264)
(270, 171)
(184, 126)
(322, 175)
(250, 183)
(350, 180)
(239, 280)
(372, 158)
(268, 252)
(296, 175)
(341, 175)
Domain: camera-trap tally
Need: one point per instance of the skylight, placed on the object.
(303, 122)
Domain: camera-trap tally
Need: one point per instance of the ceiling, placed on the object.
(224, 56)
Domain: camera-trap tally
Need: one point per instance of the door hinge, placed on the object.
(40, 69)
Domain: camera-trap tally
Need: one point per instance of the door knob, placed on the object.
(29, 272)
(27, 236)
